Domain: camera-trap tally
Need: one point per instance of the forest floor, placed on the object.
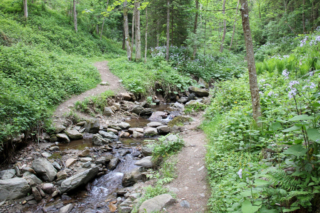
(191, 185)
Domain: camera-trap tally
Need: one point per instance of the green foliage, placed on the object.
(197, 107)
(165, 146)
(278, 161)
(33, 81)
(141, 78)
(95, 103)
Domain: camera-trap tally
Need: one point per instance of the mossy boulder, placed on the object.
(179, 121)
(199, 92)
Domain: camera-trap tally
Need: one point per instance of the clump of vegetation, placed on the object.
(95, 103)
(179, 121)
(197, 107)
(166, 146)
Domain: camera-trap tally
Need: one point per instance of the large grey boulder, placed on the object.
(149, 131)
(154, 124)
(7, 174)
(73, 134)
(156, 204)
(31, 178)
(113, 163)
(158, 116)
(13, 188)
(137, 109)
(126, 206)
(146, 111)
(78, 179)
(147, 150)
(92, 126)
(132, 177)
(108, 135)
(107, 111)
(124, 125)
(44, 169)
(136, 134)
(145, 162)
(98, 140)
(163, 130)
(59, 128)
(199, 92)
(183, 100)
(194, 102)
(63, 137)
(66, 209)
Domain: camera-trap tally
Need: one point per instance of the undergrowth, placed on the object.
(273, 167)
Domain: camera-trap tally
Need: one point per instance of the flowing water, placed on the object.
(93, 196)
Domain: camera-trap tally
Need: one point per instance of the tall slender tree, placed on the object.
(254, 89)
(25, 8)
(104, 19)
(146, 38)
(75, 20)
(133, 26)
(126, 29)
(138, 35)
(234, 26)
(195, 29)
(168, 30)
(224, 25)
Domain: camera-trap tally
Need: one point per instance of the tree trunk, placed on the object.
(25, 8)
(133, 25)
(75, 21)
(224, 25)
(158, 32)
(126, 29)
(138, 37)
(303, 17)
(104, 19)
(146, 38)
(234, 26)
(123, 40)
(195, 30)
(254, 89)
(168, 29)
(172, 43)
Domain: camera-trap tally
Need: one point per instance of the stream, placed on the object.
(93, 197)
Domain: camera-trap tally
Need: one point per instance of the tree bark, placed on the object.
(224, 25)
(133, 25)
(25, 8)
(303, 17)
(158, 31)
(234, 26)
(138, 36)
(75, 20)
(104, 19)
(146, 38)
(195, 30)
(254, 89)
(168, 29)
(126, 29)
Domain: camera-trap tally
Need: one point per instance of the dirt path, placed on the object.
(191, 184)
(106, 76)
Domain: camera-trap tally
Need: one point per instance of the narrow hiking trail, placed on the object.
(190, 186)
(106, 76)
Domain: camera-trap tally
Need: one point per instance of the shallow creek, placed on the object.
(94, 196)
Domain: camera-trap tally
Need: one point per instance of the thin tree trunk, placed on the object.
(303, 17)
(146, 38)
(158, 32)
(205, 36)
(172, 43)
(25, 8)
(195, 30)
(126, 29)
(123, 40)
(224, 25)
(254, 89)
(234, 26)
(133, 25)
(75, 21)
(138, 36)
(168, 29)
(104, 19)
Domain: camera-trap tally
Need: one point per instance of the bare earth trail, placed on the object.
(191, 184)
(106, 76)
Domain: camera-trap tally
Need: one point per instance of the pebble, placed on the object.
(185, 204)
